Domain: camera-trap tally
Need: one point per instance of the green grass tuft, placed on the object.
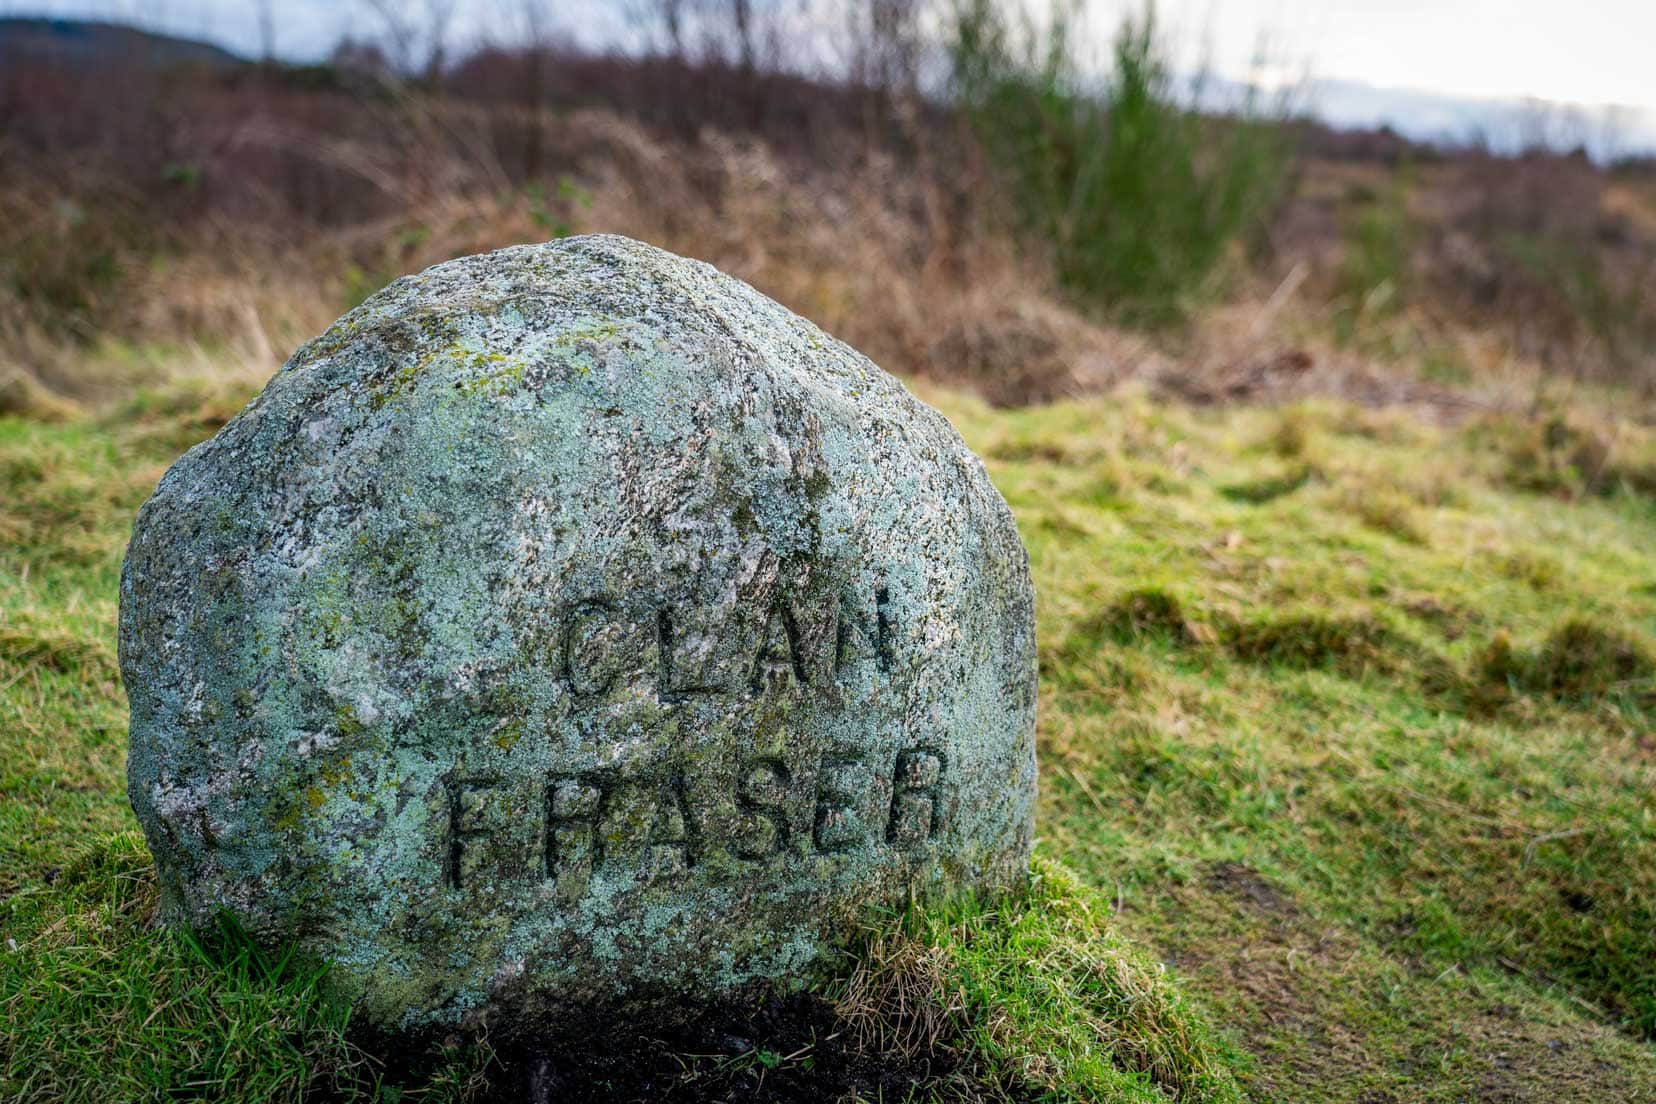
(1144, 613)
(1036, 997)
(98, 1005)
(1058, 1001)
(1580, 661)
(1257, 492)
(1353, 643)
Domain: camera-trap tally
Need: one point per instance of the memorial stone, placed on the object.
(569, 627)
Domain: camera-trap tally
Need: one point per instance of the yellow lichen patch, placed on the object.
(334, 775)
(499, 375)
(508, 736)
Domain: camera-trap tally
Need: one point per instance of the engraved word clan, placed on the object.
(598, 646)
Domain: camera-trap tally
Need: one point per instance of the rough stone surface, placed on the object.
(573, 626)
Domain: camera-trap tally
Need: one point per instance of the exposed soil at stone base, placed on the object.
(781, 1051)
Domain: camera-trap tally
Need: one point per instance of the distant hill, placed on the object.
(83, 42)
(1503, 125)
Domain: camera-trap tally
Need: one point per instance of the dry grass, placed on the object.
(863, 253)
(910, 256)
(901, 997)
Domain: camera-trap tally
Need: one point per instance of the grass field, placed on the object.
(1348, 750)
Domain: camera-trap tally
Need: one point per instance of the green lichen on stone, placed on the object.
(573, 625)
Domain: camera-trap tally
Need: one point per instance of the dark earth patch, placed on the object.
(786, 1050)
(1245, 882)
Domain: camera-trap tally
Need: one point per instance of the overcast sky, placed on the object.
(1592, 52)
(1582, 51)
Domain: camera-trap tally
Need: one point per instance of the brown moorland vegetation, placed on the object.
(214, 215)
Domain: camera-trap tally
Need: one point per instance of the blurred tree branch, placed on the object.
(416, 34)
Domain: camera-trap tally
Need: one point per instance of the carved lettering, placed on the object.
(839, 826)
(468, 823)
(674, 684)
(574, 846)
(643, 825)
(673, 835)
(762, 795)
(885, 628)
(916, 798)
(859, 637)
(780, 651)
(600, 643)
(594, 648)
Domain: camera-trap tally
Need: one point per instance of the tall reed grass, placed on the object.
(1140, 198)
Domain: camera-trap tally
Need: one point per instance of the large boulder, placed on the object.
(571, 627)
